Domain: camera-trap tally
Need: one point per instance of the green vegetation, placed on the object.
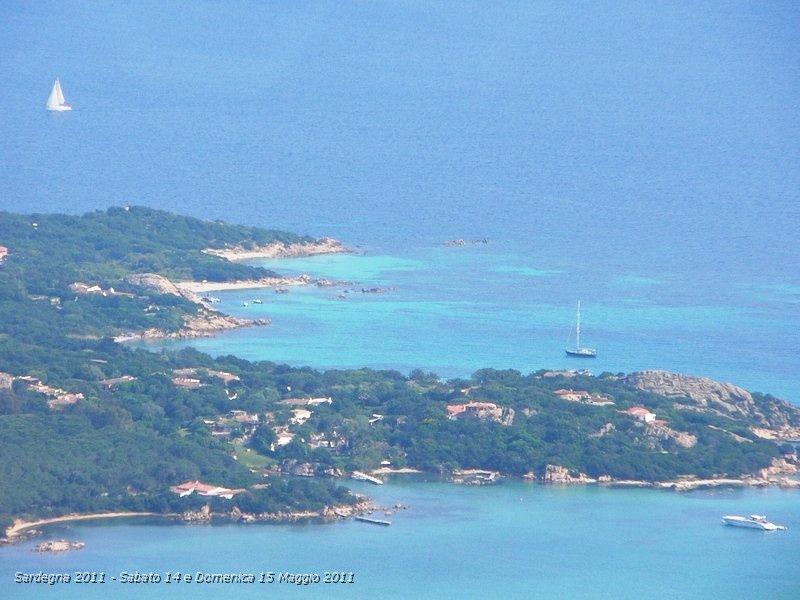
(49, 253)
(134, 431)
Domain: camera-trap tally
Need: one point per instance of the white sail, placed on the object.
(56, 101)
(61, 99)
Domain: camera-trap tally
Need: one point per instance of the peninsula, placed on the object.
(92, 426)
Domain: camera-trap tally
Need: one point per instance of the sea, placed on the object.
(641, 158)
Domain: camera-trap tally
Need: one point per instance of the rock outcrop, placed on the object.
(154, 283)
(197, 516)
(279, 250)
(669, 438)
(6, 381)
(210, 322)
(206, 321)
(784, 465)
(562, 475)
(777, 419)
(58, 546)
(293, 466)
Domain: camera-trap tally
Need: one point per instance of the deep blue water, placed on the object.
(642, 158)
(514, 540)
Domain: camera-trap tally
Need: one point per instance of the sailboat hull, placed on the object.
(60, 108)
(582, 353)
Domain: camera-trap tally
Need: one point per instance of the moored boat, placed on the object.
(752, 522)
(578, 351)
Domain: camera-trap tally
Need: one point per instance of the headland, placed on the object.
(184, 433)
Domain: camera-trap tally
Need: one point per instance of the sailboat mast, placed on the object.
(578, 327)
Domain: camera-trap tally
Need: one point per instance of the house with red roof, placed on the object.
(641, 413)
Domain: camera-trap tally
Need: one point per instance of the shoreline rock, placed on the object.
(329, 513)
(58, 546)
(209, 320)
(474, 477)
(561, 475)
(280, 250)
(195, 327)
(776, 420)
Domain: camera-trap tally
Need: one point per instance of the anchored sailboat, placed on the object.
(56, 101)
(578, 351)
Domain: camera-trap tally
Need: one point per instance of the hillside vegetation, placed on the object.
(89, 424)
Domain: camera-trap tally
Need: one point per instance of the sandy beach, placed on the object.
(20, 526)
(200, 287)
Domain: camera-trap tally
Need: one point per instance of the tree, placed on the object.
(263, 439)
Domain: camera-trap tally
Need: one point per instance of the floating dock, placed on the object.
(373, 521)
(364, 477)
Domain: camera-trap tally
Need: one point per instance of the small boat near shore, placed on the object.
(752, 522)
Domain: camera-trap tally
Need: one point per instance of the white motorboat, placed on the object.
(753, 522)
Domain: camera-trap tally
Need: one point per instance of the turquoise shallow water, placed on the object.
(456, 310)
(514, 540)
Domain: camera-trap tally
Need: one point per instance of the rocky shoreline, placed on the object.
(329, 513)
(208, 321)
(22, 530)
(189, 288)
(776, 476)
(280, 250)
(203, 325)
(58, 546)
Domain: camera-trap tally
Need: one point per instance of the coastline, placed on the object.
(213, 320)
(395, 471)
(22, 529)
(195, 327)
(199, 287)
(16, 532)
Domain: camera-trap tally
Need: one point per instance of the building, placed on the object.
(640, 413)
(573, 395)
(113, 382)
(241, 416)
(306, 401)
(189, 383)
(474, 410)
(203, 489)
(301, 415)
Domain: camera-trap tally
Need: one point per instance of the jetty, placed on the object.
(373, 521)
(364, 477)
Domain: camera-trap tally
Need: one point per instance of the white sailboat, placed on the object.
(578, 351)
(56, 101)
